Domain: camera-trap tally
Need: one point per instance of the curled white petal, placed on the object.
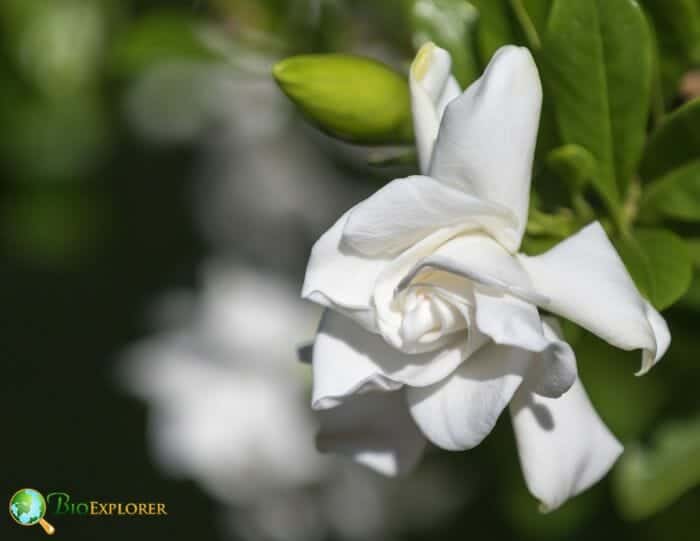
(563, 444)
(432, 88)
(349, 360)
(588, 283)
(341, 279)
(409, 209)
(459, 412)
(512, 322)
(486, 141)
(481, 260)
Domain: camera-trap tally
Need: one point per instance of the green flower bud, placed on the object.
(349, 97)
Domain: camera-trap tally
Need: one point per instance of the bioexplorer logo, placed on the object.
(28, 507)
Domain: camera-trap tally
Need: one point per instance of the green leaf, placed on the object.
(526, 21)
(538, 11)
(352, 98)
(597, 61)
(503, 22)
(659, 263)
(677, 24)
(561, 224)
(647, 480)
(538, 244)
(497, 27)
(693, 245)
(627, 404)
(675, 195)
(450, 24)
(691, 299)
(675, 144)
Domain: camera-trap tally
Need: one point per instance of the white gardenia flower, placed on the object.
(431, 307)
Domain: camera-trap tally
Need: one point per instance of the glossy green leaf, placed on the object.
(350, 97)
(497, 27)
(675, 144)
(598, 66)
(675, 195)
(502, 22)
(538, 11)
(526, 21)
(659, 263)
(450, 24)
(647, 480)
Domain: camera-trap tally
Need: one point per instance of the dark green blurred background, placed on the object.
(107, 203)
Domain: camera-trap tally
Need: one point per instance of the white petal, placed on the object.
(388, 310)
(409, 209)
(432, 88)
(349, 360)
(459, 412)
(482, 260)
(564, 446)
(339, 278)
(588, 283)
(554, 370)
(374, 429)
(513, 322)
(662, 336)
(487, 137)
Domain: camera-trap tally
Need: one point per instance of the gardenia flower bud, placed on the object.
(352, 98)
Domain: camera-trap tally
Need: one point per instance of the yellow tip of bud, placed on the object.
(422, 61)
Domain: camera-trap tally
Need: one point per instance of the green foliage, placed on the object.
(57, 227)
(574, 165)
(158, 38)
(627, 404)
(538, 11)
(450, 24)
(353, 98)
(676, 195)
(674, 144)
(497, 27)
(600, 84)
(647, 480)
(659, 263)
(677, 26)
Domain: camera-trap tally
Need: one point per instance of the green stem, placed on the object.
(583, 210)
(630, 208)
(531, 35)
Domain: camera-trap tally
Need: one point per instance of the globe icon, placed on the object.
(28, 507)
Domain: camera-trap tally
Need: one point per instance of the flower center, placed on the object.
(431, 308)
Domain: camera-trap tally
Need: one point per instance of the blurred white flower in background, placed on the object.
(225, 392)
(228, 410)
